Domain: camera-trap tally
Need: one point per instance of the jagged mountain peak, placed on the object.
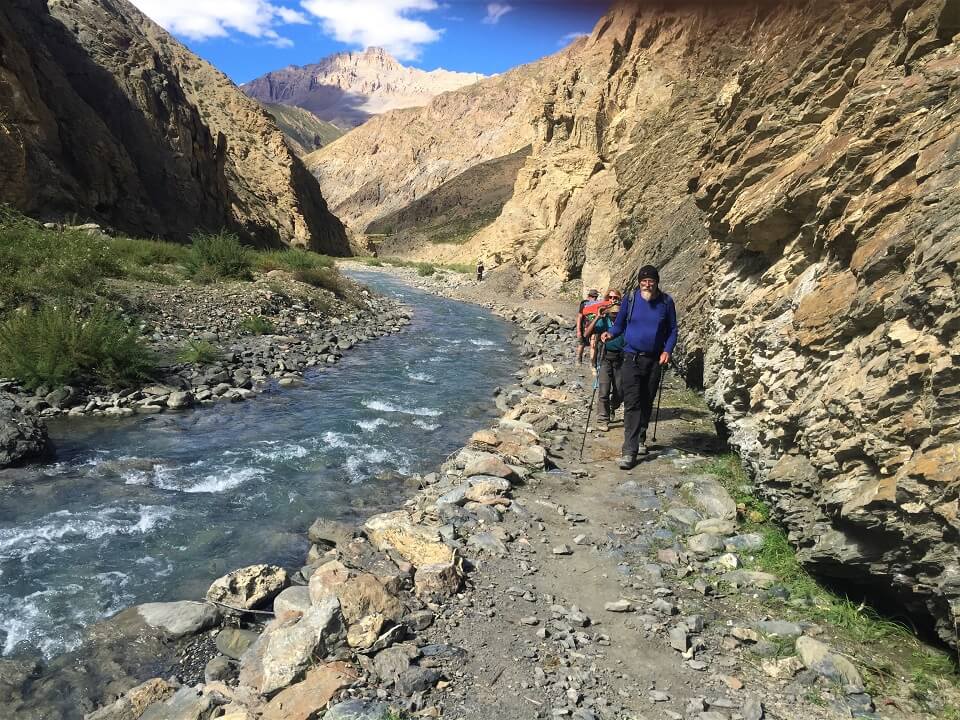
(347, 88)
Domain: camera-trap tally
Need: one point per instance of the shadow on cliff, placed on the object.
(106, 161)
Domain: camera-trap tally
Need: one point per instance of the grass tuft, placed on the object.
(291, 260)
(257, 325)
(57, 346)
(199, 352)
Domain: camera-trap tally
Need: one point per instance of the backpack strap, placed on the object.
(633, 303)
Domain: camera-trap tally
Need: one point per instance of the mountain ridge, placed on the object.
(347, 88)
(107, 117)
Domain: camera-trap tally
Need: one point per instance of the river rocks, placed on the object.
(417, 545)
(437, 581)
(132, 704)
(179, 618)
(818, 657)
(187, 703)
(248, 587)
(359, 710)
(179, 400)
(326, 580)
(306, 699)
(295, 599)
(488, 465)
(289, 645)
(330, 533)
(234, 642)
(365, 595)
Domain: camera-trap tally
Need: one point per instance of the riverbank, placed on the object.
(521, 578)
(215, 343)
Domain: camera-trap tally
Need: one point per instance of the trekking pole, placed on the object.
(593, 397)
(656, 419)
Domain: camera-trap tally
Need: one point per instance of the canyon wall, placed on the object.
(396, 158)
(105, 117)
(793, 169)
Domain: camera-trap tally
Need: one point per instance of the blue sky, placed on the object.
(246, 38)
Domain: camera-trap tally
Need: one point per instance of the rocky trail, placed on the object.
(522, 581)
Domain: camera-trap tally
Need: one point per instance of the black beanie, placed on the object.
(648, 271)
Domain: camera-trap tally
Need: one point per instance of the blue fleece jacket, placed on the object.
(647, 327)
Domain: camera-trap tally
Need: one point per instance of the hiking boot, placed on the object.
(642, 450)
(603, 426)
(627, 462)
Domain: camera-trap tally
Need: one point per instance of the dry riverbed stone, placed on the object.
(248, 587)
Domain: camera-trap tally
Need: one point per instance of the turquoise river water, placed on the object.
(155, 507)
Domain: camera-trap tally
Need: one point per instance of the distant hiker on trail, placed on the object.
(479, 270)
(611, 362)
(582, 340)
(648, 324)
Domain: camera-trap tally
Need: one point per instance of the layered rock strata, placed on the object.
(107, 117)
(793, 170)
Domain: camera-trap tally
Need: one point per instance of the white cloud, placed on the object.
(205, 19)
(495, 11)
(570, 37)
(380, 23)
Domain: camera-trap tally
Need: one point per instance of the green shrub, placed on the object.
(291, 260)
(198, 352)
(39, 265)
(257, 325)
(217, 257)
(55, 346)
(425, 269)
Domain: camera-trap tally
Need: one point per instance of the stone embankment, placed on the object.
(308, 328)
(518, 578)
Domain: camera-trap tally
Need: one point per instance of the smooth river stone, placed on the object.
(179, 618)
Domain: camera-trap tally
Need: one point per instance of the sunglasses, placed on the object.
(613, 297)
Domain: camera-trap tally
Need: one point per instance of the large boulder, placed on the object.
(248, 587)
(418, 545)
(178, 619)
(289, 645)
(330, 533)
(22, 434)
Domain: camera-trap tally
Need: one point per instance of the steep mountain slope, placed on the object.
(794, 168)
(399, 156)
(350, 87)
(454, 211)
(305, 131)
(106, 117)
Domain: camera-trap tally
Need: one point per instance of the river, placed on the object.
(154, 508)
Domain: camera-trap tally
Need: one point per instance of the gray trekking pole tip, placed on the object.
(656, 419)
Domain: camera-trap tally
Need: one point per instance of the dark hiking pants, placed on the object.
(610, 389)
(641, 376)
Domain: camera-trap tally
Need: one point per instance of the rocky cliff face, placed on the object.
(793, 167)
(348, 88)
(400, 156)
(104, 116)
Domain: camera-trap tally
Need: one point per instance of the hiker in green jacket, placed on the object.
(611, 362)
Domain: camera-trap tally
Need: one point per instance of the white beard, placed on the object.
(647, 295)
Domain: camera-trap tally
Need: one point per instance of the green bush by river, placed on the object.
(60, 323)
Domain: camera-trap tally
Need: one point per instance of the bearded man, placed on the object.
(648, 323)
